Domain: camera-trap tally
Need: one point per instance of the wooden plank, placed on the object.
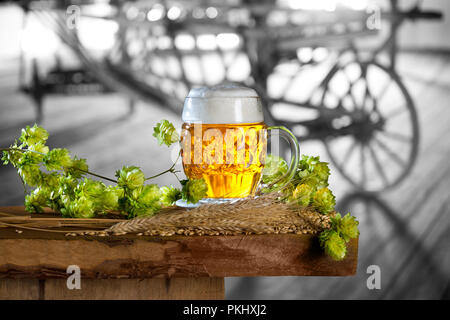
(113, 289)
(137, 289)
(19, 289)
(181, 256)
(43, 255)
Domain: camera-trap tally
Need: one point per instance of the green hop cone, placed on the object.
(67, 186)
(82, 207)
(166, 133)
(333, 244)
(274, 168)
(313, 181)
(55, 201)
(39, 147)
(135, 193)
(322, 172)
(31, 175)
(149, 196)
(57, 159)
(29, 158)
(33, 135)
(323, 200)
(313, 172)
(111, 196)
(193, 190)
(130, 177)
(12, 156)
(92, 190)
(77, 168)
(302, 194)
(346, 226)
(51, 180)
(169, 195)
(286, 192)
(144, 200)
(307, 163)
(36, 200)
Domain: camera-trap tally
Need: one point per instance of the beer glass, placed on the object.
(224, 141)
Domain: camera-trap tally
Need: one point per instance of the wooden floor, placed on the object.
(405, 231)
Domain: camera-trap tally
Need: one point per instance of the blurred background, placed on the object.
(364, 84)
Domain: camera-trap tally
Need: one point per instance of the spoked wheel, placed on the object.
(177, 48)
(378, 134)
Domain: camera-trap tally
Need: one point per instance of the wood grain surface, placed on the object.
(44, 255)
(114, 289)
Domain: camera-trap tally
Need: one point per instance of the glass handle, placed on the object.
(295, 153)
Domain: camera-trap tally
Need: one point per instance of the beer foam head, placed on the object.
(223, 104)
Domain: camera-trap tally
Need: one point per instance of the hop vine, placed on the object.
(310, 188)
(53, 178)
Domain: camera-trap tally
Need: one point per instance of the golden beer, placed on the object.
(229, 157)
(224, 141)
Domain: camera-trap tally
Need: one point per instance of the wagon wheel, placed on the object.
(171, 53)
(378, 133)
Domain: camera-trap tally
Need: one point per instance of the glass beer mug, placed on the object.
(224, 141)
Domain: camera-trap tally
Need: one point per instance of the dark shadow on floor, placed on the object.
(409, 267)
(417, 251)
